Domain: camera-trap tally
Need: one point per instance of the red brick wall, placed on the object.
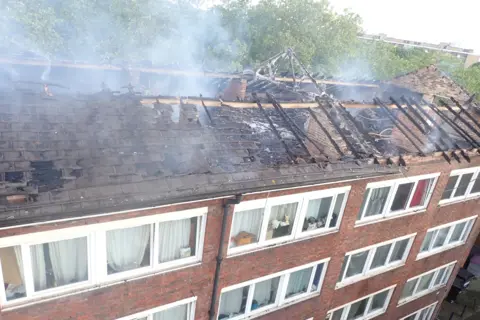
(128, 298)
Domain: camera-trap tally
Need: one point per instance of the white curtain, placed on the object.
(279, 212)
(177, 313)
(298, 282)
(248, 221)
(173, 236)
(38, 266)
(18, 256)
(319, 208)
(263, 291)
(231, 302)
(126, 247)
(69, 260)
(377, 201)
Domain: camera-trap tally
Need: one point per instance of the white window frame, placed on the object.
(431, 288)
(393, 184)
(418, 312)
(149, 313)
(97, 256)
(281, 300)
(297, 234)
(367, 316)
(367, 272)
(468, 195)
(447, 246)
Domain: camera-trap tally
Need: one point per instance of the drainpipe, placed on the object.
(226, 208)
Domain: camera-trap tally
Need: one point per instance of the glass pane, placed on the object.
(463, 184)
(357, 310)
(265, 293)
(337, 209)
(408, 288)
(425, 281)
(399, 250)
(447, 193)
(281, 220)
(317, 214)
(412, 317)
(177, 239)
(246, 227)
(468, 228)
(401, 197)
(59, 263)
(476, 185)
(316, 277)
(424, 314)
(298, 282)
(128, 249)
(380, 257)
(445, 277)
(364, 203)
(232, 303)
(421, 193)
(377, 201)
(179, 312)
(379, 301)
(440, 275)
(337, 314)
(357, 262)
(457, 232)
(426, 242)
(12, 270)
(441, 236)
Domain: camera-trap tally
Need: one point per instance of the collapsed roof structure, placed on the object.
(65, 155)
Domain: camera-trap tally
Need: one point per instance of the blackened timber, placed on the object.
(465, 111)
(425, 123)
(288, 122)
(206, 111)
(460, 118)
(359, 128)
(396, 123)
(330, 138)
(294, 126)
(274, 129)
(416, 124)
(464, 134)
(339, 130)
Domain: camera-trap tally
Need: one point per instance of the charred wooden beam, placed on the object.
(398, 125)
(330, 138)
(419, 127)
(339, 130)
(465, 111)
(207, 112)
(274, 129)
(464, 134)
(291, 125)
(469, 126)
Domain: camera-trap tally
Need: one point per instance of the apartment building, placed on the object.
(117, 206)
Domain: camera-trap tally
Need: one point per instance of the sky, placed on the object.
(435, 21)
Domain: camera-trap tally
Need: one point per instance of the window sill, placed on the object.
(389, 217)
(25, 302)
(346, 283)
(279, 244)
(424, 255)
(447, 202)
(273, 309)
(410, 299)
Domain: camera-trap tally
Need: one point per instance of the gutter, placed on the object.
(226, 208)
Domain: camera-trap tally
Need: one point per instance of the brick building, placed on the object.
(115, 206)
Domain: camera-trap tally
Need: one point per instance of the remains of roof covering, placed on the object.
(73, 155)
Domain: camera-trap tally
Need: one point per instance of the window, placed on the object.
(390, 198)
(445, 237)
(271, 292)
(179, 310)
(426, 283)
(461, 185)
(364, 308)
(366, 262)
(78, 257)
(422, 314)
(264, 222)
